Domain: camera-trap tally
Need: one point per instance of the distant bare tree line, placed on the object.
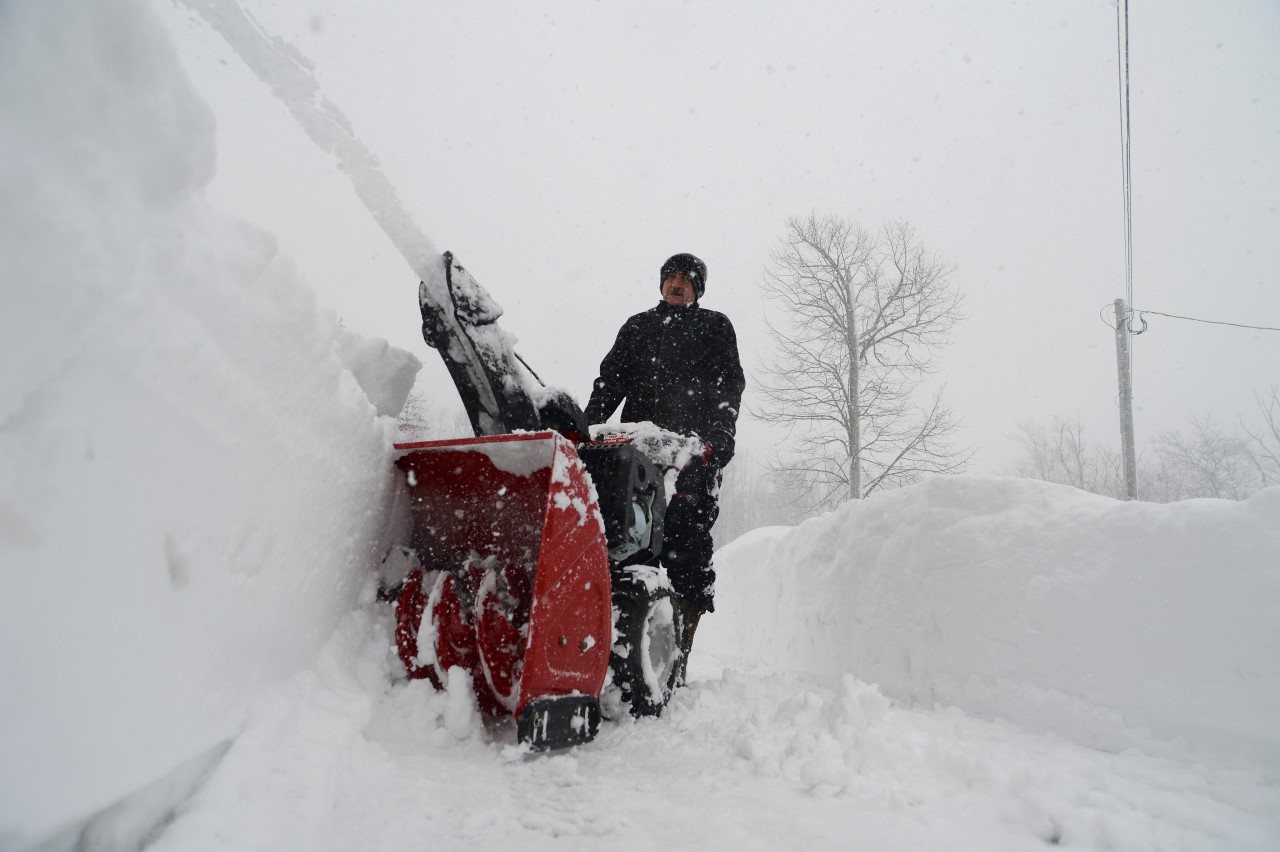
(754, 496)
(1203, 460)
(1266, 437)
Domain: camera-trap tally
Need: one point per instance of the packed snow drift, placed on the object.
(1113, 625)
(192, 461)
(195, 467)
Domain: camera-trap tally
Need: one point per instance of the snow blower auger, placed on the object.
(533, 557)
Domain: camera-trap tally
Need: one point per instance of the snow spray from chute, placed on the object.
(479, 357)
(288, 74)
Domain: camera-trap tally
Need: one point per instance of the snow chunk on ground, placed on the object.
(385, 374)
(1114, 624)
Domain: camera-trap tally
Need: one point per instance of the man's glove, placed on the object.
(692, 481)
(698, 479)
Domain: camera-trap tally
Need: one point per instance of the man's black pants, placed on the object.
(686, 539)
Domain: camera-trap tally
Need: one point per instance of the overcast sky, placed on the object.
(563, 150)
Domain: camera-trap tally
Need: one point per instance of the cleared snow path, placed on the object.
(343, 757)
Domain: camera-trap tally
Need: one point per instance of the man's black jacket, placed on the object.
(677, 367)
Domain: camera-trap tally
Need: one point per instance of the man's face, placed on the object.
(678, 290)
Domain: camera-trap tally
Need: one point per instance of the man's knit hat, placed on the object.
(693, 268)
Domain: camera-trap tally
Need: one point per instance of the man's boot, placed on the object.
(689, 616)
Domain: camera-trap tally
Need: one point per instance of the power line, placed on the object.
(1210, 322)
(1140, 314)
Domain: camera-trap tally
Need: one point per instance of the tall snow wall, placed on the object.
(192, 477)
(1112, 624)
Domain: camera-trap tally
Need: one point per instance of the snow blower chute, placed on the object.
(532, 547)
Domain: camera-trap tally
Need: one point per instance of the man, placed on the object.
(677, 366)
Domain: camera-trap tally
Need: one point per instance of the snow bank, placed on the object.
(1113, 624)
(191, 476)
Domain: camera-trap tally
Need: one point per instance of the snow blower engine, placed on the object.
(532, 549)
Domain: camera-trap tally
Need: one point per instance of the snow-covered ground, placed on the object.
(193, 475)
(344, 756)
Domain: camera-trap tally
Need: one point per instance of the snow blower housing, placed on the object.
(534, 558)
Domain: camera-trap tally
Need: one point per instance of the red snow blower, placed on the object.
(534, 558)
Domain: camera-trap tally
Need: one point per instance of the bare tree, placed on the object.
(415, 416)
(425, 418)
(862, 317)
(1059, 453)
(1266, 440)
(1209, 461)
(752, 496)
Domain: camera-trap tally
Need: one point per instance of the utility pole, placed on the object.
(1126, 402)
